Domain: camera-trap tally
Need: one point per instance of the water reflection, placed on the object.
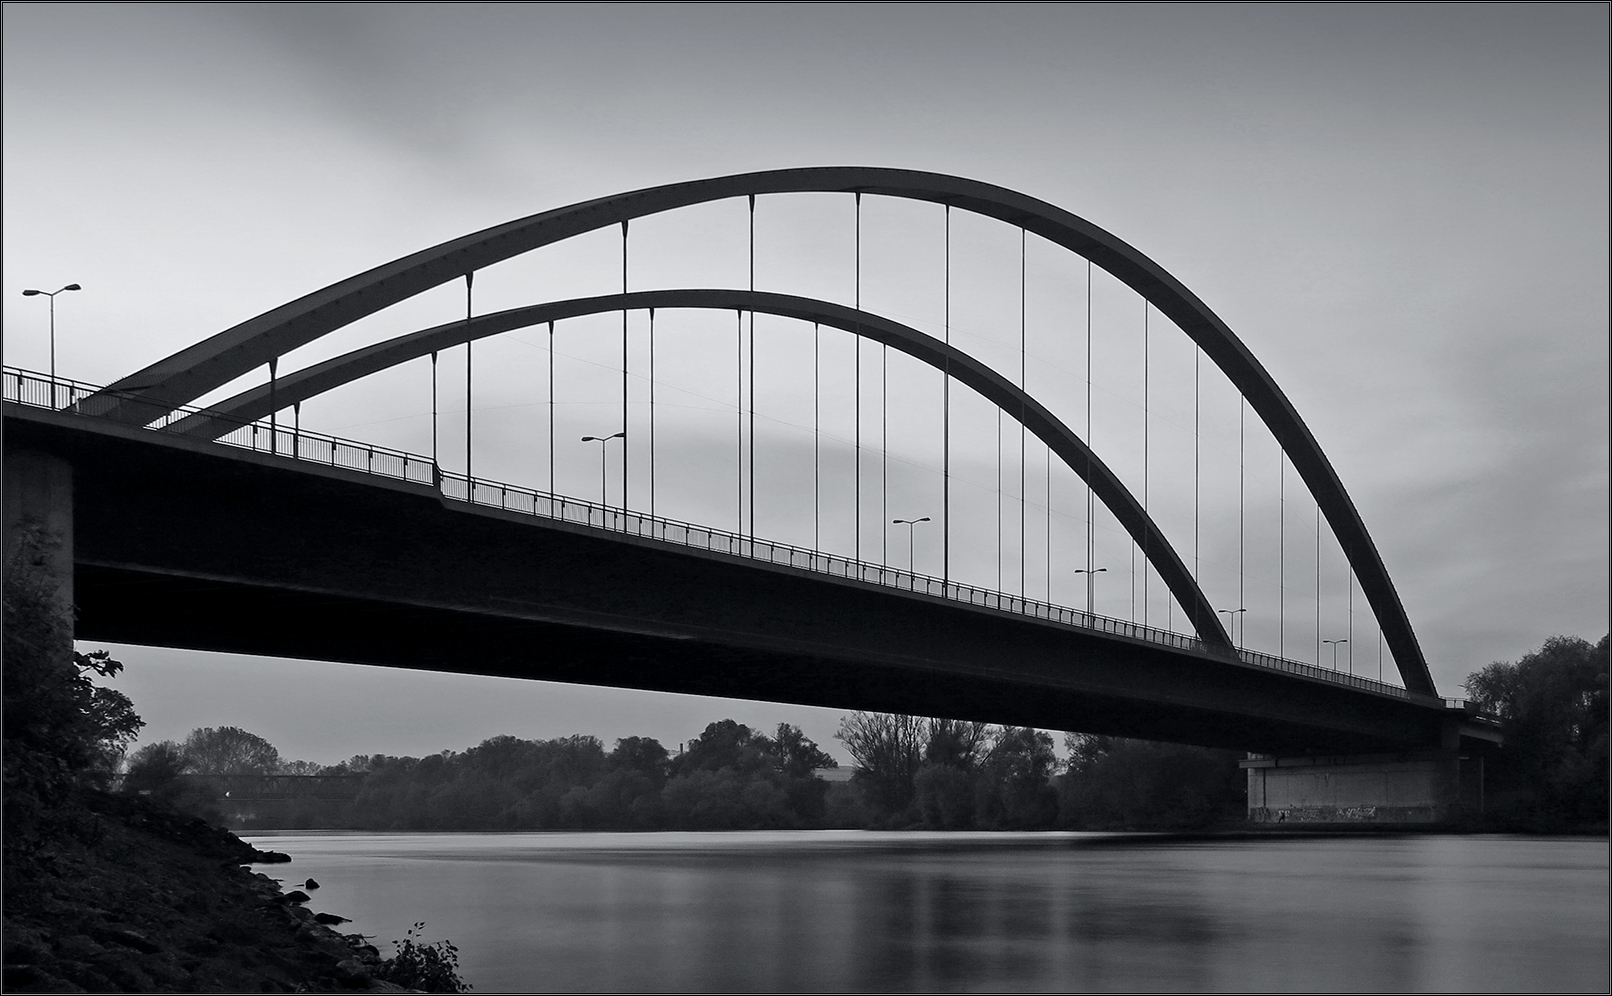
(905, 912)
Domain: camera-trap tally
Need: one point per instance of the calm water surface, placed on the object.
(863, 911)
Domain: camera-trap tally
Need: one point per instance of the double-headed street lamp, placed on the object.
(30, 292)
(1091, 575)
(1232, 622)
(911, 524)
(1335, 653)
(602, 440)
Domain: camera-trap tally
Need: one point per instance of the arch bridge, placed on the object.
(197, 521)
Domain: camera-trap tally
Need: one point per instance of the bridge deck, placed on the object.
(191, 544)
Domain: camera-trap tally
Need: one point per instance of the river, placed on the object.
(957, 912)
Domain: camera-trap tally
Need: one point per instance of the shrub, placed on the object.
(432, 968)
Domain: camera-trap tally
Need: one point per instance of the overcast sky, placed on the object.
(1401, 209)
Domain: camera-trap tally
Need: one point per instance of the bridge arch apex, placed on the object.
(190, 373)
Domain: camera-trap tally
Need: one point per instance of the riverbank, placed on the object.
(137, 898)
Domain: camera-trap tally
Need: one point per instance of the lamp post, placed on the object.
(1232, 621)
(602, 440)
(1335, 653)
(1091, 575)
(911, 525)
(30, 292)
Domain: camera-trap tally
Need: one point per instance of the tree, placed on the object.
(797, 755)
(229, 750)
(1015, 790)
(888, 749)
(727, 744)
(1553, 703)
(644, 755)
(956, 743)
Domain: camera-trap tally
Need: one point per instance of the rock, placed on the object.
(270, 858)
(310, 884)
(128, 938)
(330, 918)
(351, 972)
(297, 896)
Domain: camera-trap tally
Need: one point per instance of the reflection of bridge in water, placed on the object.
(219, 527)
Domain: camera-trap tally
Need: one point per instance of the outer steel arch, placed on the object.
(255, 403)
(158, 389)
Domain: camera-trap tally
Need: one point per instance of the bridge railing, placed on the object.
(60, 394)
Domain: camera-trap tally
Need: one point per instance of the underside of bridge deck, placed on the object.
(195, 545)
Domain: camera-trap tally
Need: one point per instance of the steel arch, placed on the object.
(188, 374)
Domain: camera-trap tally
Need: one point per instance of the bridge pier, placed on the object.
(1428, 786)
(39, 537)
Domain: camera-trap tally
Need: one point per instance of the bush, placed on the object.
(432, 968)
(61, 730)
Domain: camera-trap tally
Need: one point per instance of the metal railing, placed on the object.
(60, 394)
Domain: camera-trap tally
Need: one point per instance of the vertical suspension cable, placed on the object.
(1147, 374)
(817, 430)
(1350, 633)
(1024, 552)
(626, 440)
(946, 417)
(436, 467)
(1242, 419)
(470, 487)
(1091, 446)
(1317, 584)
(752, 368)
(651, 413)
(884, 455)
(1281, 552)
(858, 378)
(999, 499)
(551, 407)
(738, 411)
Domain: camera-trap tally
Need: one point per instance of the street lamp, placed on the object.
(1335, 653)
(1232, 621)
(30, 292)
(602, 440)
(1091, 575)
(911, 525)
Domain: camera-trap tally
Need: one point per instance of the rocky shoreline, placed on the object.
(137, 898)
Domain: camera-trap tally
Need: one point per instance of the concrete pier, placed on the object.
(1432, 786)
(39, 535)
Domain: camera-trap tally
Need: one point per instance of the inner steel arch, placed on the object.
(255, 403)
(188, 374)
